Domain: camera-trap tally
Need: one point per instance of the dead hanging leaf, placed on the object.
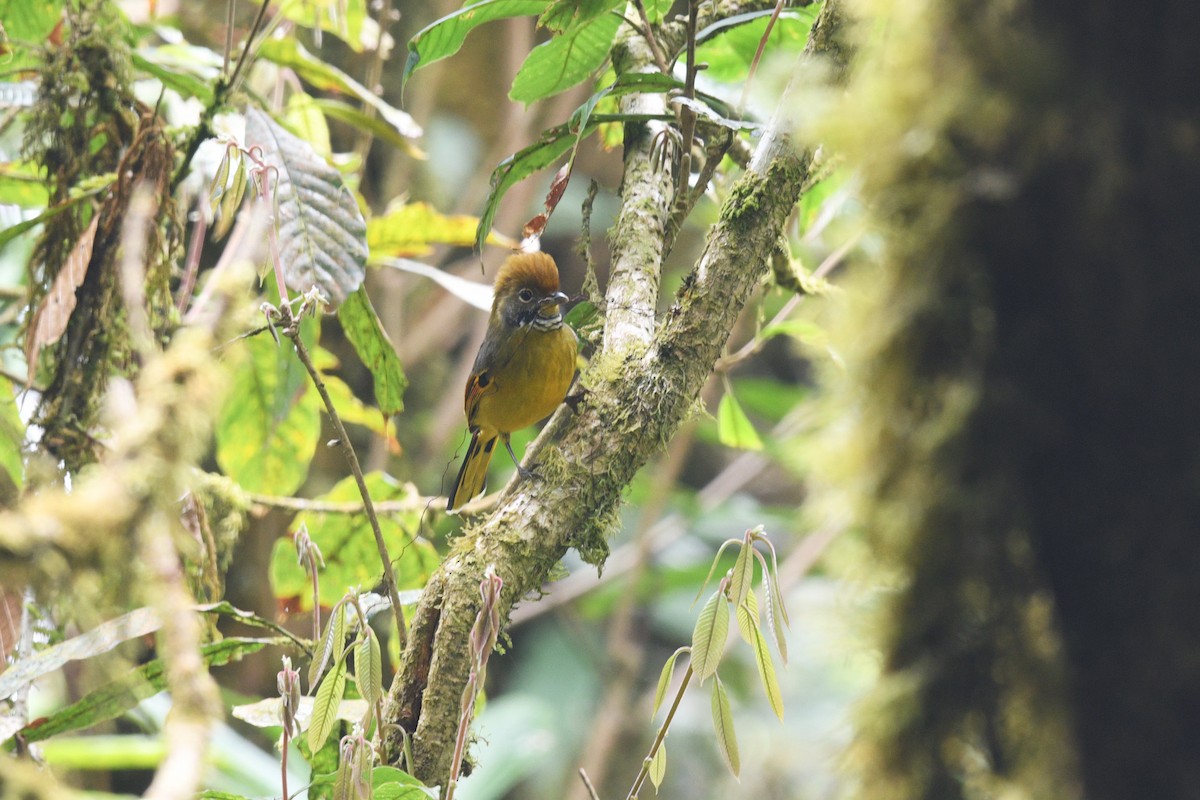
(51, 318)
(558, 186)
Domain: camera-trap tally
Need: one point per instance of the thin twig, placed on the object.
(647, 32)
(292, 331)
(244, 57)
(414, 503)
(371, 80)
(192, 262)
(583, 776)
(230, 5)
(662, 734)
(762, 44)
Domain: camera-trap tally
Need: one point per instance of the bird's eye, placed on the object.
(525, 296)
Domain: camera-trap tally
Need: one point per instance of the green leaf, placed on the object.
(552, 144)
(393, 784)
(21, 184)
(26, 24)
(322, 234)
(445, 36)
(213, 794)
(658, 765)
(766, 671)
(368, 668)
(190, 70)
(12, 435)
(412, 229)
(345, 19)
(747, 618)
(774, 624)
(114, 699)
(564, 15)
(723, 727)
(332, 645)
(657, 9)
(100, 639)
(734, 428)
(364, 330)
(378, 126)
(13, 231)
(289, 53)
(565, 60)
(351, 557)
(728, 46)
(267, 430)
(708, 637)
(743, 574)
(325, 706)
(302, 117)
(664, 680)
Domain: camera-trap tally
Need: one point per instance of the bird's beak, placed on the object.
(552, 302)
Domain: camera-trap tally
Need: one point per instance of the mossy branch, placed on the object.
(640, 389)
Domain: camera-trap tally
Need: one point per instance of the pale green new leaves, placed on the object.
(325, 707)
(708, 639)
(723, 726)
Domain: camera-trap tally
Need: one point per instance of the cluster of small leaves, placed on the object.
(709, 638)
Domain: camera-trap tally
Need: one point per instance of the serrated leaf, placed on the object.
(565, 60)
(331, 647)
(774, 625)
(723, 727)
(743, 574)
(734, 428)
(368, 668)
(325, 706)
(658, 766)
(100, 639)
(664, 680)
(322, 234)
(351, 557)
(113, 700)
(268, 429)
(445, 36)
(766, 672)
(708, 637)
(747, 618)
(364, 330)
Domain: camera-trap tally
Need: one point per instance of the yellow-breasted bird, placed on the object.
(523, 370)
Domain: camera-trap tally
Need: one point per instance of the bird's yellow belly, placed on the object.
(532, 384)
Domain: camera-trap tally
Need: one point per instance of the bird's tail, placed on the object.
(472, 476)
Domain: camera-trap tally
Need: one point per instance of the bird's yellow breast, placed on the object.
(531, 384)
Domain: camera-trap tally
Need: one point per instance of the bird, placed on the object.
(523, 370)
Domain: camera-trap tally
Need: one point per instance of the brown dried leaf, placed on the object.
(51, 318)
(558, 186)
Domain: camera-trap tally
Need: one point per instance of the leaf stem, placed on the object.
(292, 331)
(658, 740)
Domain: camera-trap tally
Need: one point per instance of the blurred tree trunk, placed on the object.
(1026, 393)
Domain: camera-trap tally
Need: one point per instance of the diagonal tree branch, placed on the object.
(640, 388)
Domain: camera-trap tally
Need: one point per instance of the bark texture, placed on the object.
(1023, 395)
